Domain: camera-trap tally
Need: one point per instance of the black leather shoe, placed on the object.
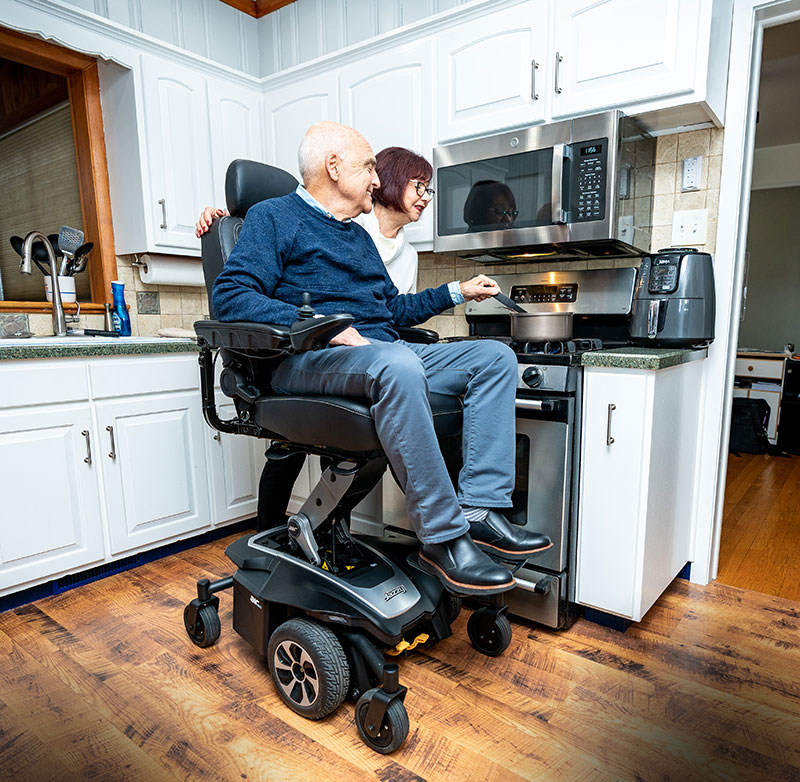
(463, 568)
(498, 536)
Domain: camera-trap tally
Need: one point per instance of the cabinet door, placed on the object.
(178, 151)
(235, 463)
(389, 99)
(51, 509)
(155, 473)
(235, 120)
(613, 474)
(487, 75)
(615, 52)
(291, 110)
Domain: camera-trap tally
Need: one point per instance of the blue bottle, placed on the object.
(119, 312)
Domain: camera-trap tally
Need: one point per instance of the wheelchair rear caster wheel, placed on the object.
(309, 668)
(393, 730)
(491, 640)
(206, 628)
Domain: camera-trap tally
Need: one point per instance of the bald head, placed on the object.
(338, 168)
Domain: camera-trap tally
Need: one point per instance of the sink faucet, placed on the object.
(59, 321)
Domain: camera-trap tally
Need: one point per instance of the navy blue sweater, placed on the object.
(286, 248)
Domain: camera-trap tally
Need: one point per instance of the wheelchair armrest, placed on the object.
(243, 335)
(309, 334)
(414, 334)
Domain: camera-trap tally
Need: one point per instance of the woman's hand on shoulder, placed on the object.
(210, 213)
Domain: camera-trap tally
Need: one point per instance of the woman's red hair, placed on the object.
(396, 166)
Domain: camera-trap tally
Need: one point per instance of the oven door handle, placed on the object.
(543, 405)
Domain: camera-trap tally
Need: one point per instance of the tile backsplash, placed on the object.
(154, 307)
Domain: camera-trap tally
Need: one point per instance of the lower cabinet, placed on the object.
(127, 464)
(50, 493)
(637, 479)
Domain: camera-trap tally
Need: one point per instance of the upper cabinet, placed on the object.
(289, 111)
(491, 72)
(616, 52)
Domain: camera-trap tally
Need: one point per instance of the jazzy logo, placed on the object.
(398, 590)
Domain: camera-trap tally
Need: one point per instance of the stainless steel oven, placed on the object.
(577, 188)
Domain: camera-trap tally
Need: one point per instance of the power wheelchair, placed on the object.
(320, 604)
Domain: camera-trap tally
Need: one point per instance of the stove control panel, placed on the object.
(534, 294)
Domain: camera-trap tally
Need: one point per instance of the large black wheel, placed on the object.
(394, 726)
(492, 642)
(206, 628)
(309, 668)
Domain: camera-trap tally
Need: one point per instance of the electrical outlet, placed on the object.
(692, 173)
(689, 227)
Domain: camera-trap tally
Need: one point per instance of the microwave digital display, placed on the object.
(594, 149)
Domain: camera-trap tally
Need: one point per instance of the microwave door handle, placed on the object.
(557, 185)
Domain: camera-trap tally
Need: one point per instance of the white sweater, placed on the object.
(397, 254)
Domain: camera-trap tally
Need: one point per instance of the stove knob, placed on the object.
(532, 377)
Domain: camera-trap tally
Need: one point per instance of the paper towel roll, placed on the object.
(168, 270)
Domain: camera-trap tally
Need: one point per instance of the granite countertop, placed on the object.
(642, 358)
(87, 347)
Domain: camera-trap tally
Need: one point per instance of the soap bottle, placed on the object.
(119, 315)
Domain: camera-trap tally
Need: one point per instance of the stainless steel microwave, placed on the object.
(573, 189)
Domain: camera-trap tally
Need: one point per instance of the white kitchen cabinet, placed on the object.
(235, 463)
(234, 114)
(154, 468)
(638, 462)
(289, 111)
(488, 77)
(390, 101)
(178, 152)
(50, 490)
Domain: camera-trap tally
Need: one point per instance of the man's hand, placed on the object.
(479, 288)
(349, 336)
(203, 223)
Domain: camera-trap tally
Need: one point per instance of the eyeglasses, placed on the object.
(504, 212)
(422, 189)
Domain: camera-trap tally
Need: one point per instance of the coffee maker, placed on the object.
(673, 301)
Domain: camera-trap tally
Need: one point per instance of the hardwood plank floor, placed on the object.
(760, 541)
(102, 683)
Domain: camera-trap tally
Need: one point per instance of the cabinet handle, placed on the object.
(750, 368)
(112, 454)
(559, 60)
(609, 438)
(88, 458)
(218, 437)
(534, 68)
(163, 202)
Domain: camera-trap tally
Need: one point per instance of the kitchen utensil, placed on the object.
(78, 264)
(69, 240)
(39, 253)
(508, 302)
(92, 333)
(66, 286)
(541, 327)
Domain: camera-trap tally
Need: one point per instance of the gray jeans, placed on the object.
(396, 377)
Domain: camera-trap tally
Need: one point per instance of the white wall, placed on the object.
(307, 29)
(208, 28)
(776, 166)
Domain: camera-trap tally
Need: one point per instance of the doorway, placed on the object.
(760, 536)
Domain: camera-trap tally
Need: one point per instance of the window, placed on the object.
(38, 139)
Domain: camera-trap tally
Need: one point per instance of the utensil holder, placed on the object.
(67, 287)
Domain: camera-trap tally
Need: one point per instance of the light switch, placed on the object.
(689, 227)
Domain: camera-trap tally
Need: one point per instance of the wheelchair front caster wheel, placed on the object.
(206, 628)
(492, 640)
(394, 726)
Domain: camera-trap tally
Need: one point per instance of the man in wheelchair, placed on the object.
(306, 242)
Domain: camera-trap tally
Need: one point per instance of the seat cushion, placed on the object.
(342, 424)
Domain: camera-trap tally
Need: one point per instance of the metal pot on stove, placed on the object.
(537, 326)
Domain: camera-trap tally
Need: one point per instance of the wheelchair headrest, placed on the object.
(248, 182)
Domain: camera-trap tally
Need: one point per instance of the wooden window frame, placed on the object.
(83, 85)
(257, 8)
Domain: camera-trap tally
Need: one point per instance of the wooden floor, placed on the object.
(760, 542)
(101, 683)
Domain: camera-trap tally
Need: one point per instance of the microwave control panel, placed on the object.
(534, 294)
(589, 170)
